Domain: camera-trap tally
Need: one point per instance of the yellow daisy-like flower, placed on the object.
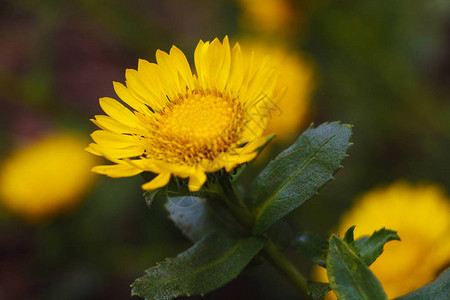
(47, 177)
(183, 124)
(421, 215)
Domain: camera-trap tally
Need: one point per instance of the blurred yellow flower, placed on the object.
(289, 114)
(186, 125)
(47, 177)
(269, 16)
(421, 216)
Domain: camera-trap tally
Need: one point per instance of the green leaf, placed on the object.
(197, 217)
(349, 276)
(313, 247)
(317, 289)
(211, 263)
(435, 290)
(298, 173)
(349, 235)
(205, 216)
(369, 249)
(150, 196)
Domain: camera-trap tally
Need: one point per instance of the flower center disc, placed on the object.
(195, 127)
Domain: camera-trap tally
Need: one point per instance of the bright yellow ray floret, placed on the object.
(184, 124)
(421, 216)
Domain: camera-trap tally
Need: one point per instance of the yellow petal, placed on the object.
(224, 71)
(142, 88)
(108, 123)
(259, 94)
(201, 63)
(128, 98)
(116, 171)
(166, 65)
(157, 182)
(182, 65)
(213, 58)
(119, 112)
(236, 160)
(91, 150)
(196, 181)
(236, 70)
(149, 165)
(158, 83)
(126, 152)
(255, 144)
(114, 140)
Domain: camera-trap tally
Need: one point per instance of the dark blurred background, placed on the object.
(383, 66)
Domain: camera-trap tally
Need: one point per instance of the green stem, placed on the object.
(284, 266)
(235, 203)
(241, 212)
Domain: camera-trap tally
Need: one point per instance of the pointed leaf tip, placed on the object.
(349, 276)
(370, 248)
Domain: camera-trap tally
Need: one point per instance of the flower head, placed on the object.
(421, 216)
(46, 177)
(183, 124)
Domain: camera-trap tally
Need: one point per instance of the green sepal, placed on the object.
(298, 173)
(151, 196)
(178, 187)
(313, 247)
(349, 276)
(211, 263)
(238, 172)
(436, 290)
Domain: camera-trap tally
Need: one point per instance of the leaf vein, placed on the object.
(210, 265)
(261, 208)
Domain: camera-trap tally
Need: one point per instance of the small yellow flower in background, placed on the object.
(421, 216)
(269, 16)
(186, 125)
(47, 177)
(289, 114)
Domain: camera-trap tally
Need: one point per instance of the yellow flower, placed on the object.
(183, 124)
(421, 216)
(289, 114)
(47, 177)
(273, 16)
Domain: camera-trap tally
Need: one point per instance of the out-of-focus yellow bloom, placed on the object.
(268, 16)
(47, 177)
(187, 125)
(421, 216)
(289, 114)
